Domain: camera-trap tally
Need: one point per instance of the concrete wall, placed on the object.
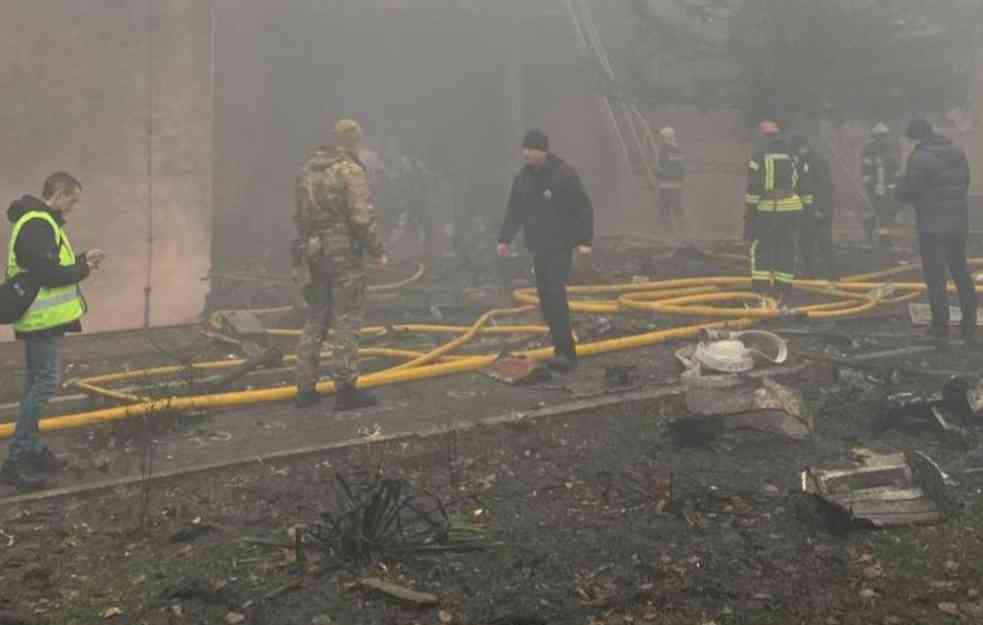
(73, 88)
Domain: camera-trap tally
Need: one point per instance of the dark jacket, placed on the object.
(773, 179)
(551, 207)
(36, 249)
(672, 166)
(936, 181)
(815, 185)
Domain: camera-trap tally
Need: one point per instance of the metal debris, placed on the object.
(882, 490)
(958, 402)
(963, 397)
(237, 323)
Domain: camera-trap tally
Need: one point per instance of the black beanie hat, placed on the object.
(536, 140)
(919, 129)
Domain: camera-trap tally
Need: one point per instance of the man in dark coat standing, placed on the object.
(549, 204)
(816, 226)
(936, 181)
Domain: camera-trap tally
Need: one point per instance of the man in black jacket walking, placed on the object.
(936, 181)
(549, 204)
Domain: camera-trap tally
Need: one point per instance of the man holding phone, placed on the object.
(39, 246)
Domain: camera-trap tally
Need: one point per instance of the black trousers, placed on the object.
(671, 209)
(773, 250)
(816, 247)
(552, 273)
(941, 252)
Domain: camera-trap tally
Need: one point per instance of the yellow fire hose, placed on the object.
(687, 297)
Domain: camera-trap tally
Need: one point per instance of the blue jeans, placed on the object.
(43, 367)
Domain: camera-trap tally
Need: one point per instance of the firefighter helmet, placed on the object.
(768, 127)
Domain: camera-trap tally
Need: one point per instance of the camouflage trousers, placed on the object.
(336, 302)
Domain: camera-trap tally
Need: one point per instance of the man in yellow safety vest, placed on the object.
(39, 247)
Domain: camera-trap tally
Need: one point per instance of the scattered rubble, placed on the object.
(921, 315)
(517, 371)
(951, 411)
(764, 406)
(881, 490)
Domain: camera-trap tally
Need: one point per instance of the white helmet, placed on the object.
(880, 129)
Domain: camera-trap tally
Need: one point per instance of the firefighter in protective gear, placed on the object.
(880, 169)
(773, 210)
(671, 176)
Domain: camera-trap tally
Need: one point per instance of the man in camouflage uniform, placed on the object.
(336, 227)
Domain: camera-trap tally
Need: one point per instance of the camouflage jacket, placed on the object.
(333, 201)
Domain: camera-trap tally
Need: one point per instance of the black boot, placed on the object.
(351, 398)
(562, 362)
(21, 476)
(307, 398)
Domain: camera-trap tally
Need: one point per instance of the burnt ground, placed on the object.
(585, 535)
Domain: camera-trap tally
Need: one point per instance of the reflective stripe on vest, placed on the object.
(774, 200)
(52, 307)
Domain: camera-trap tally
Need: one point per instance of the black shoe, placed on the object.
(562, 363)
(20, 476)
(354, 399)
(47, 462)
(306, 399)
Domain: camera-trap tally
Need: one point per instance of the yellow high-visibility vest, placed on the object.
(52, 307)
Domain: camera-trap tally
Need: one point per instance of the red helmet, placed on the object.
(768, 127)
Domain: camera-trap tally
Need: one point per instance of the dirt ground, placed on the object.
(574, 504)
